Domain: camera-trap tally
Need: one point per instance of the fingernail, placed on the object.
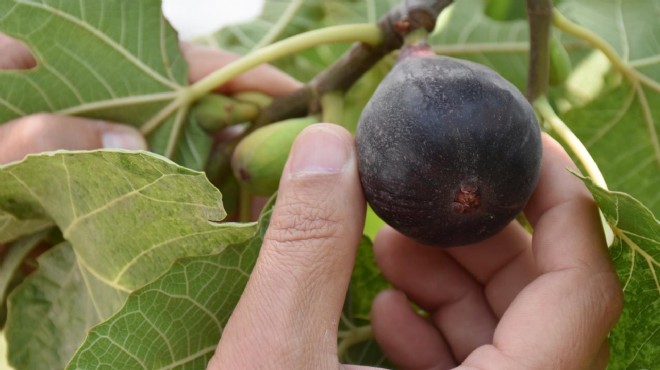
(123, 140)
(319, 150)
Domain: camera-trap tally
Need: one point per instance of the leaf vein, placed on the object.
(104, 38)
(65, 81)
(154, 247)
(12, 108)
(85, 64)
(110, 203)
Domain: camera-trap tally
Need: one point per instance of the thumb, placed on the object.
(45, 132)
(291, 306)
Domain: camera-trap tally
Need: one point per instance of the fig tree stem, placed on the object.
(244, 204)
(177, 129)
(547, 113)
(539, 13)
(367, 33)
(332, 104)
(359, 59)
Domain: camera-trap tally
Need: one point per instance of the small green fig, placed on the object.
(215, 112)
(259, 158)
(560, 62)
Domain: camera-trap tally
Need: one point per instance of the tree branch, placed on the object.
(356, 61)
(539, 13)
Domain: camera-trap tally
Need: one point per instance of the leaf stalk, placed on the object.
(366, 33)
(547, 113)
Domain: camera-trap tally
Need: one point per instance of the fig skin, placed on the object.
(259, 159)
(449, 152)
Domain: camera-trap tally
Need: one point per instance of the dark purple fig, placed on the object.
(449, 151)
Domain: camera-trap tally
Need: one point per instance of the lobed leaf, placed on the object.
(11, 258)
(636, 255)
(619, 120)
(111, 60)
(49, 313)
(176, 321)
(127, 217)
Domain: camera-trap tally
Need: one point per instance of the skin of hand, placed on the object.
(45, 131)
(514, 301)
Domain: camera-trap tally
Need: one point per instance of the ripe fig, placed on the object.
(258, 160)
(449, 152)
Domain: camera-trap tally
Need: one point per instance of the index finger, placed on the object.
(568, 233)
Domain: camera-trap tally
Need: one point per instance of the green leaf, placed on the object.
(176, 321)
(618, 119)
(366, 282)
(367, 353)
(465, 31)
(358, 346)
(127, 216)
(49, 313)
(10, 264)
(112, 60)
(636, 254)
(613, 129)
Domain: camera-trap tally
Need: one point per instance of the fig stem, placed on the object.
(547, 114)
(332, 104)
(177, 129)
(244, 204)
(539, 13)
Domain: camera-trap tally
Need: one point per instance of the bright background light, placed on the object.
(194, 18)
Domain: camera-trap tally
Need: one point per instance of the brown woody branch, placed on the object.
(361, 57)
(539, 13)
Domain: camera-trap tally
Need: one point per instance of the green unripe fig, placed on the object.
(560, 62)
(259, 158)
(257, 98)
(215, 112)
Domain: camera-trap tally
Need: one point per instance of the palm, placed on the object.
(499, 299)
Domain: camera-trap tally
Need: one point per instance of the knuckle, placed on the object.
(301, 222)
(609, 295)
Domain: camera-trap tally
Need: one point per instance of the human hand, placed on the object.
(514, 301)
(45, 132)
(511, 302)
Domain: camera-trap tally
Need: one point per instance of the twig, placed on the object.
(356, 61)
(539, 13)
